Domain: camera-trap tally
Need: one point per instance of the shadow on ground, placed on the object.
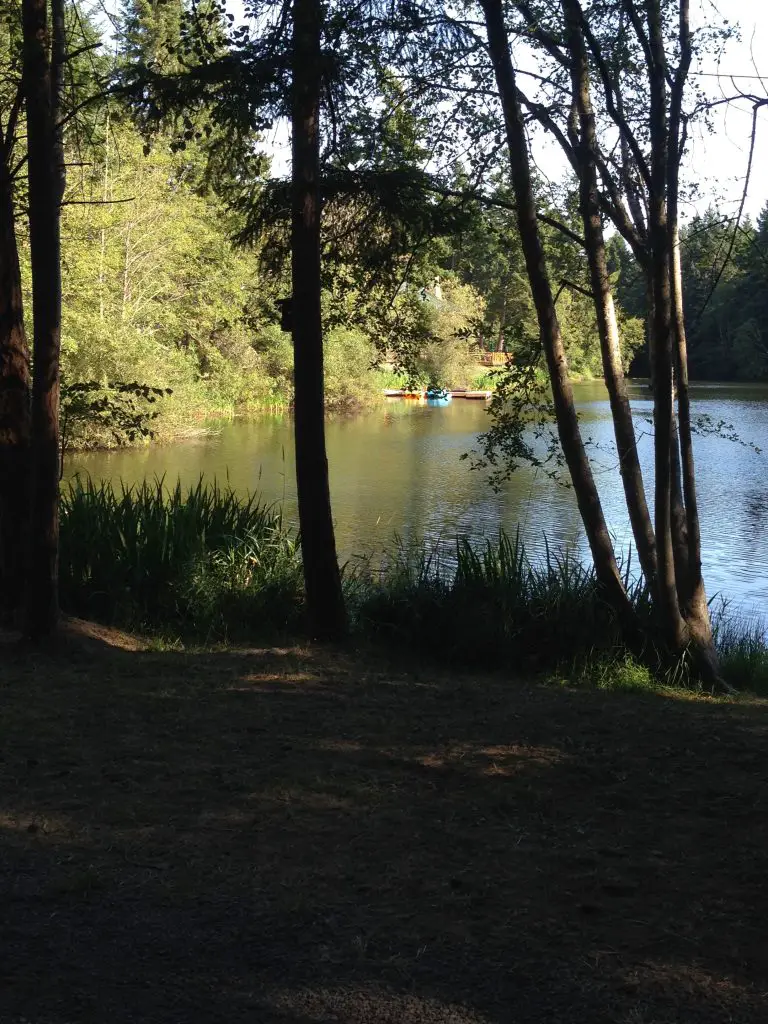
(296, 836)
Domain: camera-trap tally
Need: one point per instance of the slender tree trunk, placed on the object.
(587, 496)
(15, 413)
(325, 602)
(679, 524)
(662, 335)
(695, 605)
(585, 149)
(649, 326)
(694, 601)
(105, 197)
(501, 345)
(126, 273)
(42, 83)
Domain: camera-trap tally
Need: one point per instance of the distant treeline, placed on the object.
(725, 284)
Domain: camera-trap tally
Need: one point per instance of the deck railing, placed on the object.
(494, 358)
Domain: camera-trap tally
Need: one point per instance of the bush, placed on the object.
(349, 380)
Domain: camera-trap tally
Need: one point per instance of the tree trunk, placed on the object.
(587, 496)
(15, 414)
(45, 171)
(678, 520)
(662, 334)
(585, 149)
(325, 602)
(500, 345)
(695, 605)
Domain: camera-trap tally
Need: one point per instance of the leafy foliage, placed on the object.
(118, 411)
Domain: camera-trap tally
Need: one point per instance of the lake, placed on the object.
(398, 470)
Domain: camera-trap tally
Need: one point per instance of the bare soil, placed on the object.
(303, 835)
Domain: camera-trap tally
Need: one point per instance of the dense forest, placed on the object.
(167, 283)
(725, 275)
(164, 274)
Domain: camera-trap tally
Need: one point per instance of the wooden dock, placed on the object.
(421, 396)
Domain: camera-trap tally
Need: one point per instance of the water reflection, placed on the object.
(399, 469)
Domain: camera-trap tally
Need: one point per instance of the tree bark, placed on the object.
(42, 83)
(325, 602)
(695, 605)
(588, 499)
(585, 149)
(15, 412)
(662, 336)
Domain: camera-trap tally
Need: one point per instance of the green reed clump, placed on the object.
(490, 605)
(741, 644)
(203, 563)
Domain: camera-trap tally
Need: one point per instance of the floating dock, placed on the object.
(392, 393)
(421, 396)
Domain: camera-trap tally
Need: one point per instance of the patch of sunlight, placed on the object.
(373, 1005)
(691, 978)
(345, 746)
(263, 680)
(494, 760)
(36, 825)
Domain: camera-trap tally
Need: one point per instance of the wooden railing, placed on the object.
(494, 358)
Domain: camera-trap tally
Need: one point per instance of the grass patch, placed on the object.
(203, 564)
(206, 566)
(619, 673)
(743, 650)
(490, 605)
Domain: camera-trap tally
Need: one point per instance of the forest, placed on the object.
(166, 282)
(165, 275)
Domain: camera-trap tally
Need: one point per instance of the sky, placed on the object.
(716, 160)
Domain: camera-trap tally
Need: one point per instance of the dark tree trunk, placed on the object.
(15, 414)
(587, 496)
(325, 602)
(585, 148)
(45, 170)
(694, 600)
(687, 620)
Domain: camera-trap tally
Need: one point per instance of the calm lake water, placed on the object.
(398, 470)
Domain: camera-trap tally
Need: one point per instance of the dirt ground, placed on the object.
(302, 836)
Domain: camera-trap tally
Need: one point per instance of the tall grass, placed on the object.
(206, 565)
(489, 604)
(743, 649)
(203, 563)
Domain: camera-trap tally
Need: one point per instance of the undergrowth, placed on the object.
(207, 566)
(490, 605)
(204, 564)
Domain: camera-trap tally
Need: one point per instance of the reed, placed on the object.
(202, 562)
(206, 565)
